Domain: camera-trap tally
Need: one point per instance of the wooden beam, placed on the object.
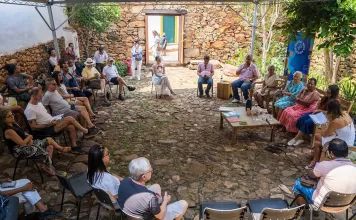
(164, 12)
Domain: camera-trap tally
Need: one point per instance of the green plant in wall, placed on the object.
(89, 19)
(348, 91)
(121, 68)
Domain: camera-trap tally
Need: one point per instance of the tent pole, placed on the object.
(53, 29)
(254, 27)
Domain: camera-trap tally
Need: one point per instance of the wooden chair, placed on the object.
(345, 106)
(282, 83)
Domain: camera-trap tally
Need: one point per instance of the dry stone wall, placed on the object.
(33, 60)
(213, 30)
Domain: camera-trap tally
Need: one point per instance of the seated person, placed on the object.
(27, 193)
(336, 175)
(111, 75)
(53, 60)
(91, 76)
(16, 82)
(23, 143)
(71, 83)
(160, 78)
(290, 93)
(143, 202)
(62, 90)
(340, 126)
(306, 101)
(247, 73)
(60, 106)
(99, 177)
(17, 110)
(70, 51)
(268, 87)
(205, 72)
(305, 124)
(43, 123)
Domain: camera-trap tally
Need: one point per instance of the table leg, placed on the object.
(272, 133)
(221, 121)
(233, 138)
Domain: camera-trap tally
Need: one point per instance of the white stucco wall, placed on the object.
(22, 27)
(154, 24)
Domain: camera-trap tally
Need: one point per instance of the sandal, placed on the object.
(49, 171)
(65, 149)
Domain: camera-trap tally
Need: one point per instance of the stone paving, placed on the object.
(192, 159)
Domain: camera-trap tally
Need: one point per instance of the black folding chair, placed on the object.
(221, 211)
(77, 185)
(104, 200)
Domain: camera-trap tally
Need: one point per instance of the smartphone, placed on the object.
(8, 184)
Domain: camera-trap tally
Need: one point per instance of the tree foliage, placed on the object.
(333, 21)
(90, 19)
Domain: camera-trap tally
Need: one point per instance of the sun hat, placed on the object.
(89, 61)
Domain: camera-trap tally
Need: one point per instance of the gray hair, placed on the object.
(299, 73)
(270, 66)
(138, 167)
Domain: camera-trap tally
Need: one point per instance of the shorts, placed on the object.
(71, 113)
(49, 131)
(114, 80)
(174, 210)
(306, 192)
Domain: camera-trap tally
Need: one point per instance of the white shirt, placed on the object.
(53, 61)
(39, 113)
(57, 103)
(100, 58)
(136, 50)
(338, 175)
(72, 69)
(110, 72)
(109, 183)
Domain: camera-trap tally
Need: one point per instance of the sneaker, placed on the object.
(292, 142)
(131, 88)
(131, 78)
(121, 97)
(235, 101)
(106, 103)
(138, 78)
(91, 132)
(77, 150)
(300, 141)
(47, 213)
(311, 165)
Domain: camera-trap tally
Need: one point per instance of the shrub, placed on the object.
(122, 69)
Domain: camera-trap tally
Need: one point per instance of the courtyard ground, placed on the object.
(191, 158)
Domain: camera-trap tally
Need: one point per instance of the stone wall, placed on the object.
(33, 60)
(213, 30)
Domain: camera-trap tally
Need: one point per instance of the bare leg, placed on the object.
(83, 113)
(69, 121)
(84, 101)
(280, 111)
(300, 200)
(72, 135)
(40, 206)
(57, 146)
(50, 150)
(121, 86)
(166, 84)
(299, 135)
(317, 147)
(185, 209)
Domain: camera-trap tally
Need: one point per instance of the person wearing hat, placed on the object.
(91, 77)
(100, 58)
(136, 52)
(112, 76)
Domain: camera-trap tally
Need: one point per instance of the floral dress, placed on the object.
(286, 101)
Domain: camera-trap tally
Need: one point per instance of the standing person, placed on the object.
(136, 52)
(16, 82)
(205, 72)
(139, 201)
(247, 73)
(156, 45)
(53, 59)
(100, 59)
(98, 175)
(268, 87)
(164, 43)
(111, 74)
(160, 78)
(340, 126)
(70, 51)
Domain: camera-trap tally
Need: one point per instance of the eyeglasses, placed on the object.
(10, 116)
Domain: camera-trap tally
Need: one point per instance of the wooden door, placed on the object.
(180, 39)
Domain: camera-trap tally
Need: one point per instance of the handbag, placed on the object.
(95, 84)
(306, 181)
(138, 57)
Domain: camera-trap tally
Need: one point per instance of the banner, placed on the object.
(298, 56)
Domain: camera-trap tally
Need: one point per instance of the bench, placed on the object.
(345, 106)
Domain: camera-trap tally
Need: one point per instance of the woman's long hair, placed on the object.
(96, 166)
(3, 126)
(55, 77)
(334, 109)
(334, 94)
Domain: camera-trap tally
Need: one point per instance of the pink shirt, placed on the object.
(205, 69)
(249, 72)
(337, 175)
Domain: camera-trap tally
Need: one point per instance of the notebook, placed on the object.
(319, 118)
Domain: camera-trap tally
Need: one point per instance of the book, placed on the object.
(319, 118)
(231, 114)
(233, 119)
(58, 117)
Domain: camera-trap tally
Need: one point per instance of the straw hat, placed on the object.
(89, 61)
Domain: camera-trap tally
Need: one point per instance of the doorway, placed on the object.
(169, 25)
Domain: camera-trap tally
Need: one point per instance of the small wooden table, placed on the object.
(251, 124)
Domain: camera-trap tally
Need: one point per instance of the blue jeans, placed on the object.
(202, 81)
(245, 86)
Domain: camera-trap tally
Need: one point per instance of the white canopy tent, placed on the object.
(52, 28)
